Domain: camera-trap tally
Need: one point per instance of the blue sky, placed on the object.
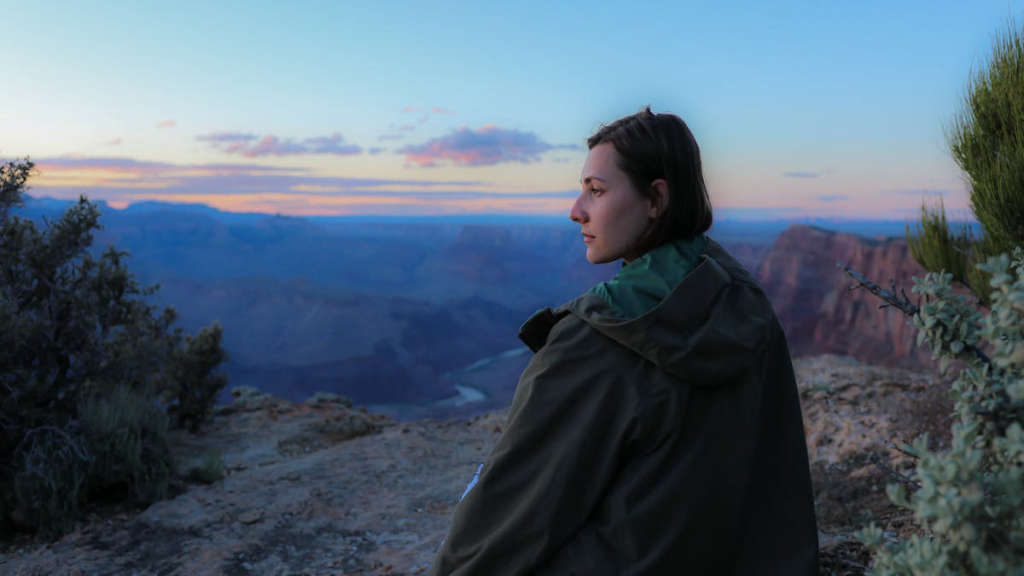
(801, 109)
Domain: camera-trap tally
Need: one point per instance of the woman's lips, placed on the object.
(587, 238)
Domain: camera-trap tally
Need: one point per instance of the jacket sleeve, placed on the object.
(565, 431)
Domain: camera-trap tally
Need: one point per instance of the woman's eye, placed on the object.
(595, 191)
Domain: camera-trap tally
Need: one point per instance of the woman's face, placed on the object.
(610, 211)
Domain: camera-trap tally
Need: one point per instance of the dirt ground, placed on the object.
(854, 415)
(319, 488)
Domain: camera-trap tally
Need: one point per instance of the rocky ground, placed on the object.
(320, 488)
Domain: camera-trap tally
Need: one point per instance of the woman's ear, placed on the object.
(660, 201)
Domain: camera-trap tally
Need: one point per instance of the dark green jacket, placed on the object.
(670, 443)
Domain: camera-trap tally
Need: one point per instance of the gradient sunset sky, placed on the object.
(810, 109)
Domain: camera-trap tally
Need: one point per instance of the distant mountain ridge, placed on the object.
(729, 227)
(382, 311)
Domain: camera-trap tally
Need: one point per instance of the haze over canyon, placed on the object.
(420, 317)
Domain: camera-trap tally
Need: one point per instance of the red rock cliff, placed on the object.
(820, 315)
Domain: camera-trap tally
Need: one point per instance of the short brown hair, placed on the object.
(653, 146)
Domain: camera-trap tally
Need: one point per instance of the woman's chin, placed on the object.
(595, 257)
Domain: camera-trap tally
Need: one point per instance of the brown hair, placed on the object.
(653, 146)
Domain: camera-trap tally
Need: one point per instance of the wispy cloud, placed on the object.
(411, 109)
(255, 188)
(93, 164)
(375, 150)
(755, 213)
(222, 137)
(267, 146)
(229, 142)
(333, 144)
(113, 142)
(833, 197)
(317, 205)
(439, 110)
(484, 146)
(169, 123)
(918, 192)
(131, 165)
(271, 145)
(122, 181)
(799, 174)
(126, 173)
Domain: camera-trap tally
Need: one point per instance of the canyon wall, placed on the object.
(818, 312)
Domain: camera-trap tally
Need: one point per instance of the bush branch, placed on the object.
(903, 304)
(903, 478)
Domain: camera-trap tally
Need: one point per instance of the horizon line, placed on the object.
(745, 213)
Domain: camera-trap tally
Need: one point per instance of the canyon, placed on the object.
(818, 311)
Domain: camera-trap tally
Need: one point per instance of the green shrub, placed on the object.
(210, 469)
(987, 143)
(84, 363)
(935, 246)
(196, 386)
(968, 500)
(127, 435)
(49, 469)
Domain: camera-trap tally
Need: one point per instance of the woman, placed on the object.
(657, 428)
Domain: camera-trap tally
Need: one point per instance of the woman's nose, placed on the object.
(576, 213)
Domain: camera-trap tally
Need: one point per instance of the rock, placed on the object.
(328, 398)
(818, 312)
(247, 399)
(250, 517)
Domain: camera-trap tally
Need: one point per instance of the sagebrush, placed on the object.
(968, 500)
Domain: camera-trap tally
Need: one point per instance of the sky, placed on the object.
(801, 109)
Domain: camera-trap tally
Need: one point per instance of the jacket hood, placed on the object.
(712, 327)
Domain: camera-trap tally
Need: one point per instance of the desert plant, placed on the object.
(987, 142)
(969, 499)
(936, 246)
(127, 438)
(79, 344)
(196, 386)
(48, 473)
(209, 470)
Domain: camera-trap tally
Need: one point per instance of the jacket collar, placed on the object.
(646, 281)
(706, 329)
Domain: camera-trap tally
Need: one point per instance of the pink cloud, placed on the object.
(114, 177)
(410, 109)
(167, 124)
(222, 137)
(151, 172)
(439, 110)
(271, 145)
(114, 142)
(268, 145)
(485, 146)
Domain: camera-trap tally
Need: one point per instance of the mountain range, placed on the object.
(404, 314)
